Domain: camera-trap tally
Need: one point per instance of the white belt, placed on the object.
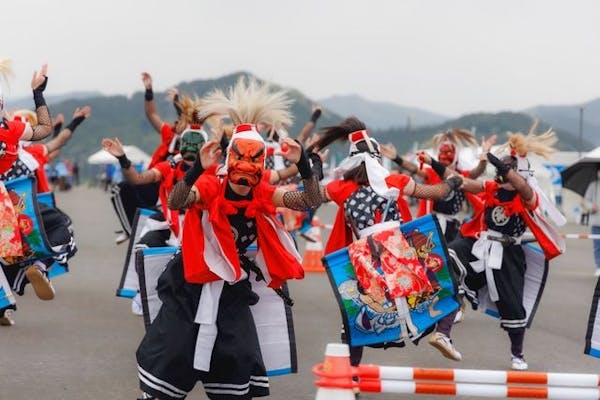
(380, 227)
(489, 257)
(443, 220)
(206, 317)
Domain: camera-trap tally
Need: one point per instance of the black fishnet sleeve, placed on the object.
(44, 126)
(438, 191)
(181, 196)
(311, 197)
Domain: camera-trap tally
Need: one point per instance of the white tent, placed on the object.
(134, 153)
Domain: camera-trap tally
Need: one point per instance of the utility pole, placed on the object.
(580, 130)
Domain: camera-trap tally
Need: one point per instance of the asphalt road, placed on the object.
(82, 344)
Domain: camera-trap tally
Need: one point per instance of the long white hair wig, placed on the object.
(248, 102)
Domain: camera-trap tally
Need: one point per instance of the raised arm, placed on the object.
(389, 151)
(486, 145)
(438, 191)
(184, 194)
(57, 123)
(310, 125)
(513, 177)
(44, 126)
(313, 193)
(114, 147)
(149, 104)
(63, 137)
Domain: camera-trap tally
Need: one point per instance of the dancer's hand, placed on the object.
(113, 146)
(486, 145)
(84, 112)
(388, 151)
(210, 153)
(147, 80)
(290, 150)
(39, 80)
(424, 157)
(58, 119)
(172, 93)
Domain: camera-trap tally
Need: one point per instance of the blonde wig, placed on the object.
(248, 102)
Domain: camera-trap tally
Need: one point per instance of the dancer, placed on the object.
(488, 252)
(370, 200)
(208, 297)
(11, 132)
(127, 198)
(33, 157)
(447, 146)
(167, 173)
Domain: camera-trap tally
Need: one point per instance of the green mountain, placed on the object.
(124, 117)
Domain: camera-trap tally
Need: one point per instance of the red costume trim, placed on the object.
(162, 151)
(533, 220)
(10, 134)
(281, 264)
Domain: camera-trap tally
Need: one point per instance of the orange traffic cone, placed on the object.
(335, 374)
(313, 251)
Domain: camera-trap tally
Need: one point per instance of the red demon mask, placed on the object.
(245, 161)
(447, 154)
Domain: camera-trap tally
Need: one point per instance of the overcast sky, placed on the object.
(450, 57)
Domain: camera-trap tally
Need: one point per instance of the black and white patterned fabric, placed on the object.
(451, 204)
(365, 208)
(496, 218)
(17, 170)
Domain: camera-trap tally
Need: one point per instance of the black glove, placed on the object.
(149, 94)
(315, 115)
(124, 162)
(38, 94)
(57, 129)
(438, 167)
(75, 123)
(454, 182)
(317, 165)
(398, 160)
(303, 165)
(194, 172)
(502, 168)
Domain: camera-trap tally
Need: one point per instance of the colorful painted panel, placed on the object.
(372, 320)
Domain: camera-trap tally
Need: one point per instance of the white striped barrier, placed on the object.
(593, 236)
(339, 381)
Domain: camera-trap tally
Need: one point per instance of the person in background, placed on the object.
(590, 204)
(76, 173)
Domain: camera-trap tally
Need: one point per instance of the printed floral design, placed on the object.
(10, 237)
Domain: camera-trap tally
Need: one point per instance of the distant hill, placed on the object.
(124, 117)
(379, 114)
(483, 124)
(567, 117)
(27, 102)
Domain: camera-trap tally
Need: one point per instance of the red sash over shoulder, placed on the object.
(339, 191)
(10, 133)
(543, 232)
(169, 176)
(162, 151)
(208, 246)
